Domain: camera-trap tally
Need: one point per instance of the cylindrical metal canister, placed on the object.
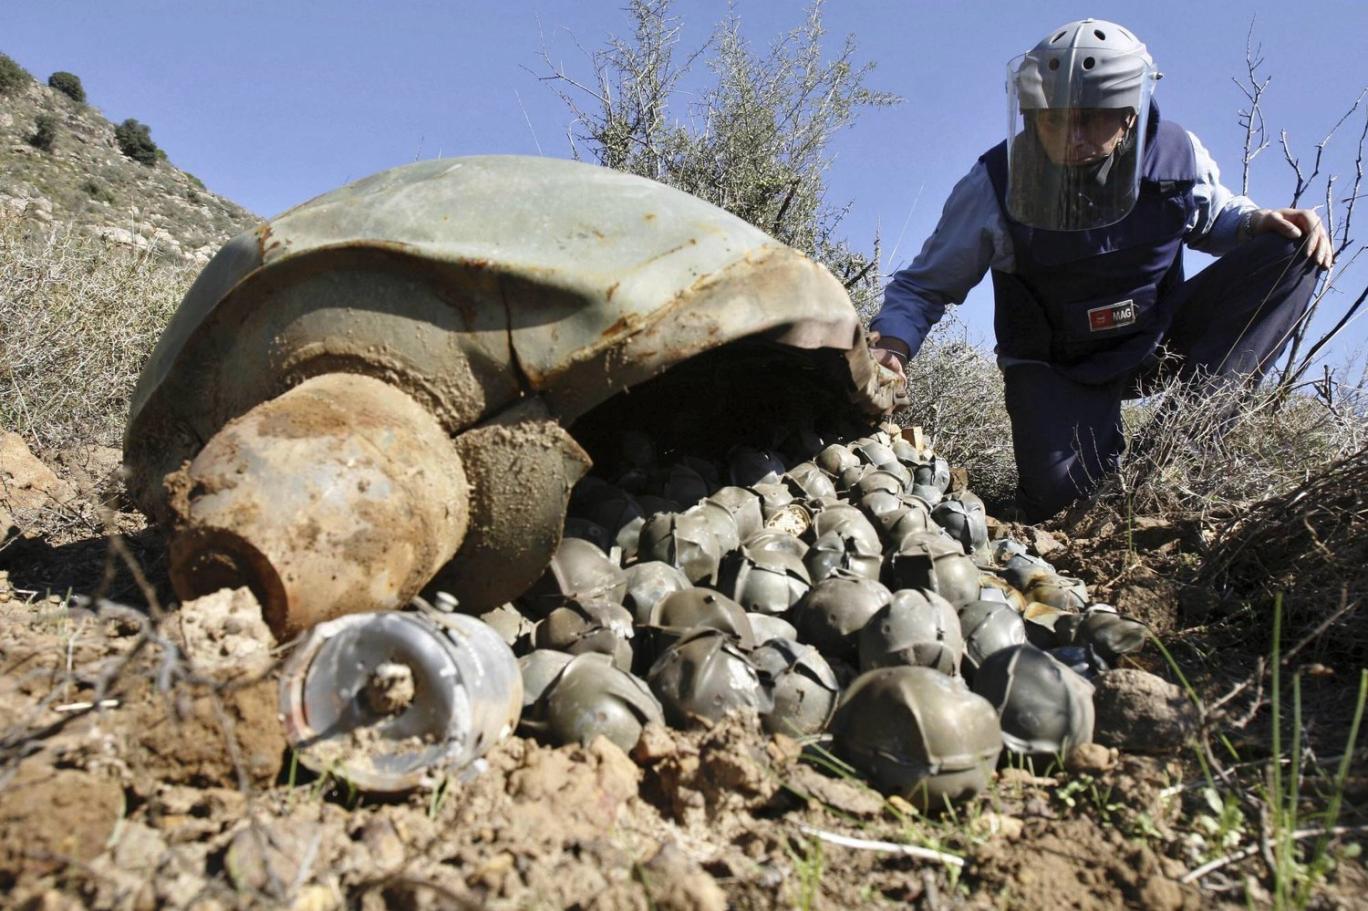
(389, 701)
(341, 495)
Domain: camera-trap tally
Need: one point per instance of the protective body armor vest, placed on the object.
(1095, 303)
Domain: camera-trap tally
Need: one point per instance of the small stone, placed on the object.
(207, 904)
(53, 900)
(656, 743)
(1044, 542)
(139, 848)
(845, 796)
(316, 897)
(1090, 759)
(901, 806)
(999, 826)
(269, 853)
(1140, 712)
(674, 882)
(383, 846)
(27, 486)
(783, 749)
(1025, 778)
(491, 874)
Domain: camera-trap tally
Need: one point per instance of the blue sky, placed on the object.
(271, 103)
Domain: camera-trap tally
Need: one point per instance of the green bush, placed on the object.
(97, 191)
(44, 132)
(12, 75)
(69, 84)
(135, 141)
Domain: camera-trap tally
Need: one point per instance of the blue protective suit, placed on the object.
(1080, 315)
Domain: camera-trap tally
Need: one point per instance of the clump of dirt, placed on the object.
(223, 634)
(708, 777)
(1090, 867)
(52, 817)
(206, 736)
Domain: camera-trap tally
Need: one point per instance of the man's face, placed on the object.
(1079, 136)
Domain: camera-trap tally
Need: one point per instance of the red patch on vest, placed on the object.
(1111, 316)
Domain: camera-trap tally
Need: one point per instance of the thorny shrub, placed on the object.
(1308, 546)
(78, 316)
(1198, 453)
(1211, 449)
(956, 397)
(1192, 453)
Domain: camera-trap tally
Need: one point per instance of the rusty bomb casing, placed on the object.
(374, 391)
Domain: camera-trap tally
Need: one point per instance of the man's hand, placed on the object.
(1295, 224)
(891, 353)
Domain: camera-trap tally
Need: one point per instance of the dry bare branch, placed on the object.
(1251, 118)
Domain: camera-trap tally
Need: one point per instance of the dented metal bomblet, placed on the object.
(392, 701)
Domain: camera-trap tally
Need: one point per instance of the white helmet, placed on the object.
(1090, 63)
(1078, 109)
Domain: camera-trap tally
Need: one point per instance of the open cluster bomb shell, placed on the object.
(847, 592)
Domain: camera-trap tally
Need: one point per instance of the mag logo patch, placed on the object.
(1111, 316)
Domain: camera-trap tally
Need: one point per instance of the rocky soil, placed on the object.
(143, 765)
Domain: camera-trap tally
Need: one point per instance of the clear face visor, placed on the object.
(1075, 138)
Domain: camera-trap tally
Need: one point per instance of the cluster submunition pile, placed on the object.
(842, 591)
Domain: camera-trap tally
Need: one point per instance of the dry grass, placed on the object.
(78, 317)
(956, 392)
(1214, 450)
(1309, 546)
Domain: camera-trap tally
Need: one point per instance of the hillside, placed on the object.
(84, 180)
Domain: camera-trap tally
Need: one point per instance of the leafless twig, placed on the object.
(1251, 118)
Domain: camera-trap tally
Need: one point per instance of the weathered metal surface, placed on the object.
(591, 697)
(342, 495)
(477, 285)
(918, 733)
(466, 696)
(1045, 707)
(521, 466)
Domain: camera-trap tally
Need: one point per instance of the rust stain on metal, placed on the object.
(266, 243)
(357, 498)
(628, 322)
(664, 254)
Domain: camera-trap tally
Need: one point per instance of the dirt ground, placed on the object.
(133, 776)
